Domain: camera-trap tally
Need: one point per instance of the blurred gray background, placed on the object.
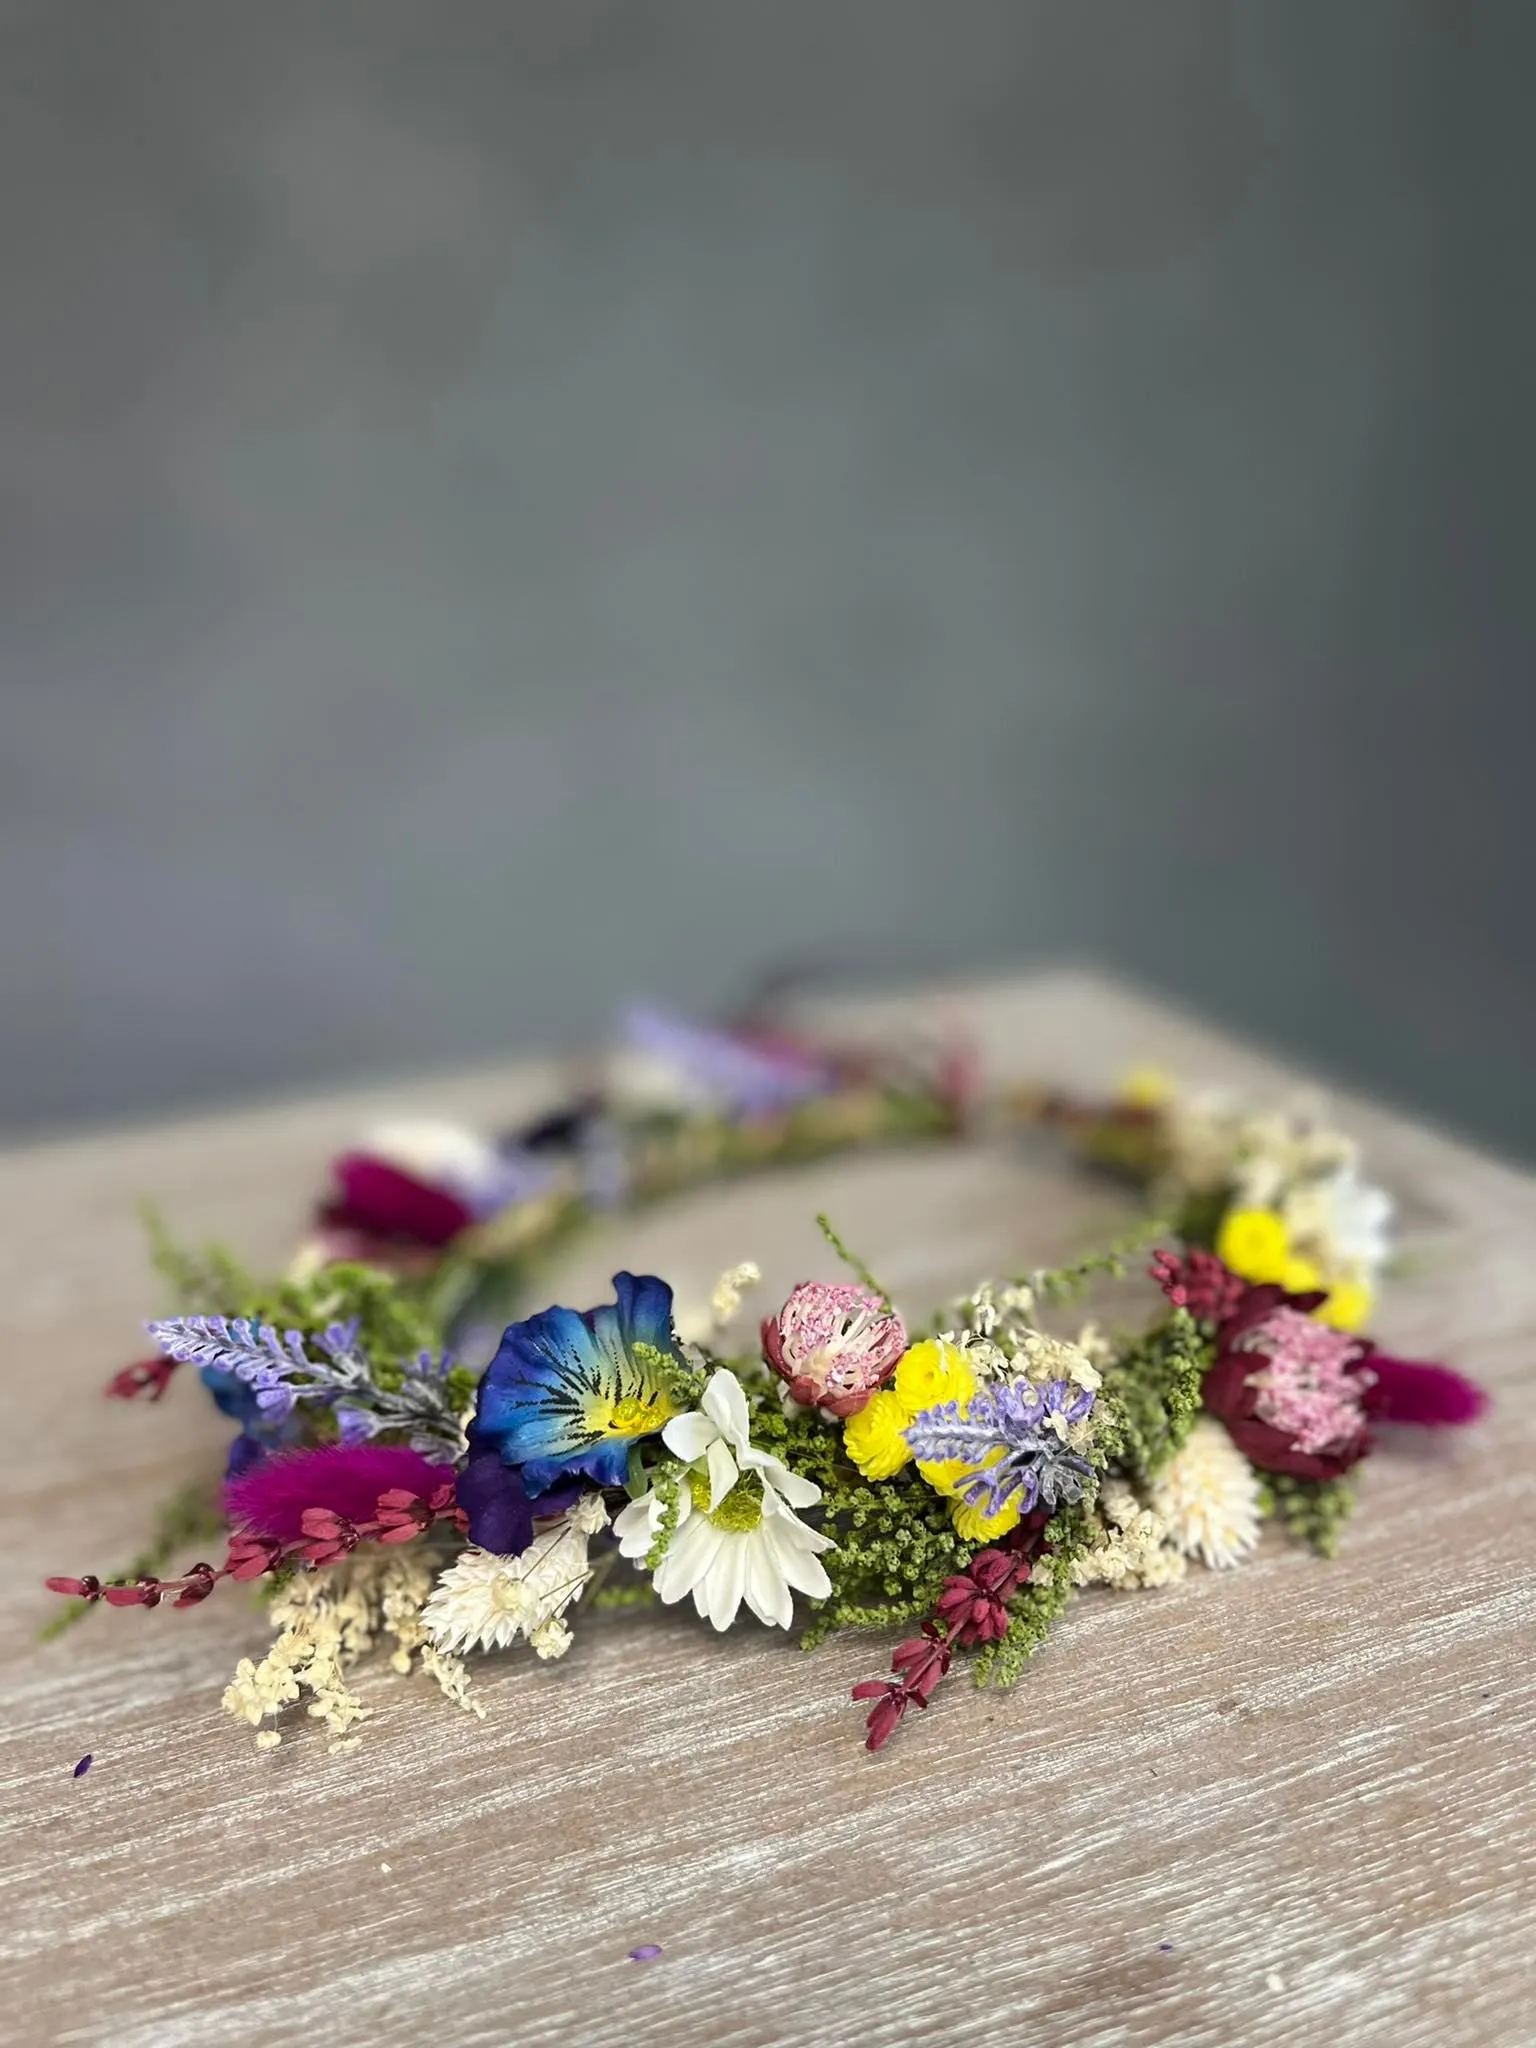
(511, 507)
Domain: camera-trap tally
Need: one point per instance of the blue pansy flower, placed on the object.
(569, 1392)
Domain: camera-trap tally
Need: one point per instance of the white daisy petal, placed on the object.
(690, 1555)
(727, 1581)
(767, 1594)
(726, 1406)
(690, 1436)
(634, 1526)
(722, 1471)
(792, 1487)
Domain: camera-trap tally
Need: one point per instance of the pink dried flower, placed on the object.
(835, 1344)
(400, 1515)
(252, 1557)
(1311, 1387)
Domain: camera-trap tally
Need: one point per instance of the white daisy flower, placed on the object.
(1341, 1221)
(736, 1537)
(485, 1602)
(1208, 1495)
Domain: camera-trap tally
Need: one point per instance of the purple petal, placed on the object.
(84, 1765)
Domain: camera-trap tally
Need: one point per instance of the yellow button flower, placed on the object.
(1348, 1306)
(1300, 1276)
(873, 1437)
(932, 1372)
(975, 1527)
(1254, 1243)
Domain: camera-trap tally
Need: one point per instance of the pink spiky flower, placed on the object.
(834, 1344)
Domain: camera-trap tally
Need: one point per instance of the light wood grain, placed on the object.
(1313, 1779)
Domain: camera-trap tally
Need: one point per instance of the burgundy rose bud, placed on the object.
(834, 1344)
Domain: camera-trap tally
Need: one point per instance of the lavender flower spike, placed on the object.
(1011, 1438)
(281, 1373)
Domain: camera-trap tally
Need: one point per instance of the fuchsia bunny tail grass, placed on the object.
(271, 1498)
(1428, 1396)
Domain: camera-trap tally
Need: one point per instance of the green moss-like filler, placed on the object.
(1313, 1510)
(1037, 1606)
(668, 1482)
(1151, 1396)
(187, 1519)
(896, 1541)
(207, 1282)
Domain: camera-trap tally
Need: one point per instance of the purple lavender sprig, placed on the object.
(282, 1372)
(1007, 1437)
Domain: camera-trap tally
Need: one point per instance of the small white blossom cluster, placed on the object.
(1135, 1548)
(697, 1324)
(1287, 1161)
(325, 1622)
(485, 1602)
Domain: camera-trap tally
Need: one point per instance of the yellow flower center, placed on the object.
(740, 1511)
(634, 1416)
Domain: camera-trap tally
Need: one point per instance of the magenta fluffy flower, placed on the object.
(378, 1200)
(1428, 1396)
(272, 1498)
(835, 1345)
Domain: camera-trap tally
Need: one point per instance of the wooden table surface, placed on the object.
(1312, 1779)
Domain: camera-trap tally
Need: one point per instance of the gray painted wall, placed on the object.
(509, 507)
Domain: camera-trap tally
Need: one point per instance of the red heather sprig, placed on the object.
(972, 1610)
(973, 1606)
(149, 1376)
(399, 1516)
(919, 1665)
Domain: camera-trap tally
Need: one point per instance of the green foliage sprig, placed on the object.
(1151, 1396)
(1313, 1510)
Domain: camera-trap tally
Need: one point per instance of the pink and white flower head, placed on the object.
(834, 1344)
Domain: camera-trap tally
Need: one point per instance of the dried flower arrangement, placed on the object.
(965, 1477)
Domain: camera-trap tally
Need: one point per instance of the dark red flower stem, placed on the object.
(398, 1517)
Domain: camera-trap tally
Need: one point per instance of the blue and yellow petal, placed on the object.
(571, 1393)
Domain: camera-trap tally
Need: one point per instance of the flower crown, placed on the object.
(964, 1476)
